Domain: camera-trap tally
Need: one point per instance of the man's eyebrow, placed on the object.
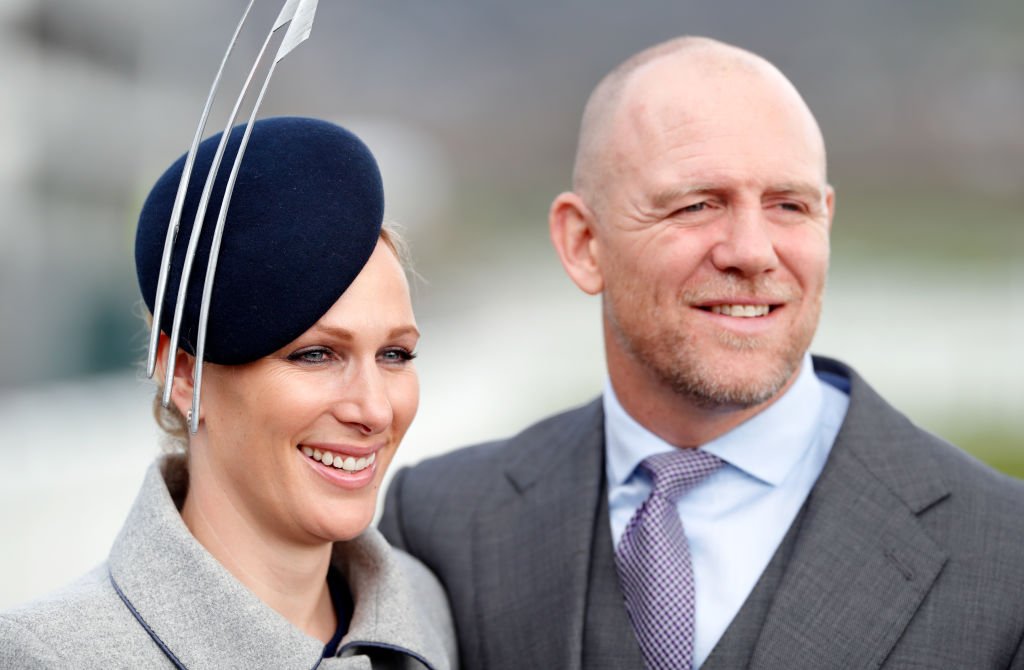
(666, 197)
(799, 188)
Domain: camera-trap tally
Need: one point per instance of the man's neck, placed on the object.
(680, 420)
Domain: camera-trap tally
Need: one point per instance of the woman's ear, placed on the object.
(181, 392)
(573, 232)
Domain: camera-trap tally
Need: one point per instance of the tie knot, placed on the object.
(675, 472)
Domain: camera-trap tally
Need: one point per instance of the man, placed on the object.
(818, 528)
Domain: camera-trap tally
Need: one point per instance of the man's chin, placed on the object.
(728, 399)
(733, 385)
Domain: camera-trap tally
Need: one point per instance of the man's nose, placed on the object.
(745, 245)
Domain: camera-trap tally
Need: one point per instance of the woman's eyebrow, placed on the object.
(334, 331)
(341, 333)
(404, 330)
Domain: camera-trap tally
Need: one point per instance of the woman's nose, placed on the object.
(364, 401)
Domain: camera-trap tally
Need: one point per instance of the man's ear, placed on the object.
(830, 204)
(572, 228)
(181, 393)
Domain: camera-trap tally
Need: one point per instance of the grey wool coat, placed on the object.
(162, 601)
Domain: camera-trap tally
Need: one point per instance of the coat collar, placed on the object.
(202, 617)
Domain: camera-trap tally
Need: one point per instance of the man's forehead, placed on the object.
(675, 88)
(709, 65)
(677, 111)
(667, 107)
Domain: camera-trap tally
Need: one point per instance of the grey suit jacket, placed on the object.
(908, 554)
(161, 600)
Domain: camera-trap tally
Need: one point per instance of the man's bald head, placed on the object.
(693, 58)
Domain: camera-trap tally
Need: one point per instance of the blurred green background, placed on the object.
(472, 109)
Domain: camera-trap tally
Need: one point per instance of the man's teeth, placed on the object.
(741, 310)
(347, 463)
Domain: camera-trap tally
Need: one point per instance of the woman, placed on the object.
(251, 548)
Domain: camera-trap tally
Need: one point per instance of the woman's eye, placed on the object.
(397, 355)
(315, 356)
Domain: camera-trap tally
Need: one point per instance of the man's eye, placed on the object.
(694, 208)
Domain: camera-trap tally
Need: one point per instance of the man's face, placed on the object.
(711, 234)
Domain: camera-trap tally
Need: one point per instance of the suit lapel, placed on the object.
(609, 642)
(736, 646)
(862, 563)
(535, 537)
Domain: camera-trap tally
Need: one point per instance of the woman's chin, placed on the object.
(346, 523)
(334, 505)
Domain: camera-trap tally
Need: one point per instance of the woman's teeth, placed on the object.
(346, 463)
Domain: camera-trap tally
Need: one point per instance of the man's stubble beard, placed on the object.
(659, 343)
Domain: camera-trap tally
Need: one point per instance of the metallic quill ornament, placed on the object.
(298, 16)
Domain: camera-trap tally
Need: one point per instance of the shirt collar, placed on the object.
(767, 446)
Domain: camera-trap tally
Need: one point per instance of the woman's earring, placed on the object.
(188, 417)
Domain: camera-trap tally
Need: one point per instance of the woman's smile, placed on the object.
(348, 472)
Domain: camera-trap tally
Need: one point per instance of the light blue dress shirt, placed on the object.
(736, 518)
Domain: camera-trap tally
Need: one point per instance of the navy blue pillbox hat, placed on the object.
(304, 217)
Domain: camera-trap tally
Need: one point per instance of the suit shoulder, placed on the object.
(488, 458)
(902, 453)
(969, 476)
(923, 467)
(966, 477)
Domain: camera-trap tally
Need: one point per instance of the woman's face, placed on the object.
(274, 432)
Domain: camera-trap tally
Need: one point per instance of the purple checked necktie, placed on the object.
(653, 561)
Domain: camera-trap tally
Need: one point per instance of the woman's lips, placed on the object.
(343, 470)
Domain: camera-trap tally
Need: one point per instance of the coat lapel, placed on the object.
(862, 563)
(535, 536)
